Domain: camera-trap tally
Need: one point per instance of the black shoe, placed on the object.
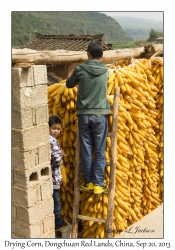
(64, 223)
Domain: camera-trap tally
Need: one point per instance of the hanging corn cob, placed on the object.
(139, 168)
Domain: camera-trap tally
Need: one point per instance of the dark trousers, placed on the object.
(57, 207)
(92, 133)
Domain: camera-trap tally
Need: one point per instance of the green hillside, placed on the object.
(24, 25)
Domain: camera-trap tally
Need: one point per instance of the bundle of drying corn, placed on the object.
(140, 136)
(157, 71)
(62, 102)
(139, 168)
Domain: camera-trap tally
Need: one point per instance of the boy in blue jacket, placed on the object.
(92, 111)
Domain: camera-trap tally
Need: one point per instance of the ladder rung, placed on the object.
(83, 217)
(81, 189)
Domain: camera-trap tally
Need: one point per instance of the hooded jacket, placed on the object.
(91, 77)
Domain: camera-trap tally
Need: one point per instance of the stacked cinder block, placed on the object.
(32, 202)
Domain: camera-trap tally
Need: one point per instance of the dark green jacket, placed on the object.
(91, 77)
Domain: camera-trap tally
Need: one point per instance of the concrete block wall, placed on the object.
(32, 202)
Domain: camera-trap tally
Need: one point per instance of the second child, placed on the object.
(56, 160)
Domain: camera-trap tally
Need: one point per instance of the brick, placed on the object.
(29, 97)
(31, 138)
(13, 179)
(40, 74)
(34, 196)
(44, 153)
(26, 118)
(41, 114)
(19, 196)
(17, 140)
(14, 214)
(17, 236)
(20, 229)
(26, 198)
(45, 172)
(26, 179)
(25, 160)
(46, 189)
(34, 214)
(22, 77)
(22, 119)
(49, 223)
(34, 231)
(50, 235)
(31, 178)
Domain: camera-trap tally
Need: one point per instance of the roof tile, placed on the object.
(66, 42)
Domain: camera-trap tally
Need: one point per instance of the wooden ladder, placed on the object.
(111, 186)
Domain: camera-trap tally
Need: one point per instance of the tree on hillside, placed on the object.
(153, 35)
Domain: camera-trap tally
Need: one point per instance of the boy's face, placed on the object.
(55, 129)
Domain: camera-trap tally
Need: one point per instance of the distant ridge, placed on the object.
(138, 28)
(125, 21)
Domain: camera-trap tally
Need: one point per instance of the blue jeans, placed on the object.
(57, 207)
(92, 134)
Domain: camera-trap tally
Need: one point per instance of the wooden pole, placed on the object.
(65, 56)
(76, 196)
(111, 193)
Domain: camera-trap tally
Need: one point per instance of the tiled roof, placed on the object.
(65, 42)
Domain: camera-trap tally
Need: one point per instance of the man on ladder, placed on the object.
(92, 111)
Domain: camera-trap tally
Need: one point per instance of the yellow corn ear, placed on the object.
(52, 88)
(118, 217)
(66, 92)
(119, 77)
(64, 175)
(71, 93)
(111, 77)
(71, 104)
(66, 117)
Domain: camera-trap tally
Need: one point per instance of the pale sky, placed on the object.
(158, 15)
